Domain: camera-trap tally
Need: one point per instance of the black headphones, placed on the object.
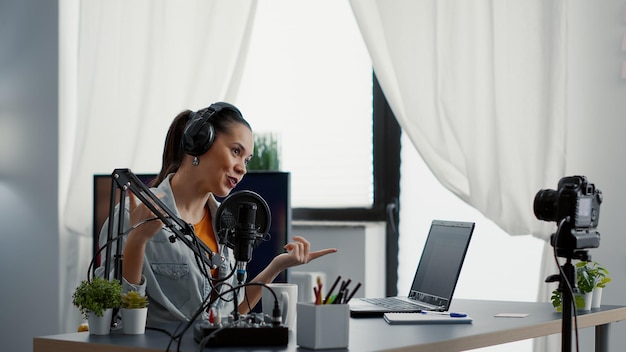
(199, 133)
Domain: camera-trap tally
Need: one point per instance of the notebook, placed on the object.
(421, 318)
(436, 275)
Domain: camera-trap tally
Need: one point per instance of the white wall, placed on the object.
(29, 233)
(360, 253)
(596, 143)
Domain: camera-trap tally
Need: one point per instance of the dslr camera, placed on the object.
(575, 206)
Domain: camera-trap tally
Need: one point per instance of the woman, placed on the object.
(204, 156)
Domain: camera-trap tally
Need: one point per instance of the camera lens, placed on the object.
(545, 205)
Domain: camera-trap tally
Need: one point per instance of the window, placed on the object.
(308, 78)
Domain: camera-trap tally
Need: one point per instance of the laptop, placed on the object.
(436, 275)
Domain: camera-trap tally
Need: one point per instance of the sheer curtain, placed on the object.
(133, 67)
(479, 88)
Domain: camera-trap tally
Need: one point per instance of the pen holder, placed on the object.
(322, 326)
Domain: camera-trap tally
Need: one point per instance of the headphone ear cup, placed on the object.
(199, 135)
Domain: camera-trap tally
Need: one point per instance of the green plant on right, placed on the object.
(97, 295)
(590, 275)
(557, 301)
(134, 300)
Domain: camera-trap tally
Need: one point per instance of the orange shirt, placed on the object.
(204, 231)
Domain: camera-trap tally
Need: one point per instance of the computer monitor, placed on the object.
(273, 186)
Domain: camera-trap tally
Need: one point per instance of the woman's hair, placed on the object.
(173, 152)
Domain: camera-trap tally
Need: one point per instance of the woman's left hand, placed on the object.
(298, 252)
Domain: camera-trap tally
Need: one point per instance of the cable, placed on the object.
(184, 326)
(215, 284)
(108, 243)
(206, 339)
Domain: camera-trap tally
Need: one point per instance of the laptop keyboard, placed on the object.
(392, 303)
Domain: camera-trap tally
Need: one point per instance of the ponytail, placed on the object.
(173, 149)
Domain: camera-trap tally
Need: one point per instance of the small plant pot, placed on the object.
(587, 297)
(597, 298)
(582, 302)
(134, 320)
(100, 325)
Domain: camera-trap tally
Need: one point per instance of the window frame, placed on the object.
(386, 159)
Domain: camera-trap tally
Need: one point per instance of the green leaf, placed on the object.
(97, 296)
(266, 152)
(134, 300)
(557, 301)
(590, 275)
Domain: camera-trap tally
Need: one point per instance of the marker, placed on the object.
(318, 293)
(450, 314)
(331, 300)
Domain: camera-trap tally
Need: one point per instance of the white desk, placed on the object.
(373, 334)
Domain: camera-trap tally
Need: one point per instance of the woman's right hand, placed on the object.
(135, 245)
(139, 212)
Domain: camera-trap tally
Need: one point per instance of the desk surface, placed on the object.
(373, 334)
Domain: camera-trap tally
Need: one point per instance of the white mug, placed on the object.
(287, 295)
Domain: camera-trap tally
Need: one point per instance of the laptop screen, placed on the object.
(441, 262)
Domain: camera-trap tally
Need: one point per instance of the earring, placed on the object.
(195, 161)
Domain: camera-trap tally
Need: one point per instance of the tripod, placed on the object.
(567, 288)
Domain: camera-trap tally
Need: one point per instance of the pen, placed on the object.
(450, 314)
(343, 292)
(346, 292)
(344, 285)
(332, 288)
(353, 292)
(338, 298)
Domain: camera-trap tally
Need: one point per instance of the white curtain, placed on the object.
(479, 87)
(136, 65)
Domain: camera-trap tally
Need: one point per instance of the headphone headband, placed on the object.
(200, 133)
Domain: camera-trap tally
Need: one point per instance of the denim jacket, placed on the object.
(171, 276)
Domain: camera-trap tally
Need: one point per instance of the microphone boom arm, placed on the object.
(125, 180)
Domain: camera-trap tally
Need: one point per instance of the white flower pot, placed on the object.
(597, 298)
(134, 320)
(100, 325)
(588, 298)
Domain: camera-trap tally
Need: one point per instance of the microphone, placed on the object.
(245, 237)
(242, 232)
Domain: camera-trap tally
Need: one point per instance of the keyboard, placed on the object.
(394, 304)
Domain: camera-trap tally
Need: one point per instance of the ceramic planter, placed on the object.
(588, 298)
(134, 320)
(597, 298)
(100, 325)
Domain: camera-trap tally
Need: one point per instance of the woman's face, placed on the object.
(224, 164)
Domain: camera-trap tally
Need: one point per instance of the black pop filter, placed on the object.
(227, 216)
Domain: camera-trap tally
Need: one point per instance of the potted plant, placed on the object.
(266, 152)
(134, 312)
(592, 277)
(557, 301)
(96, 299)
